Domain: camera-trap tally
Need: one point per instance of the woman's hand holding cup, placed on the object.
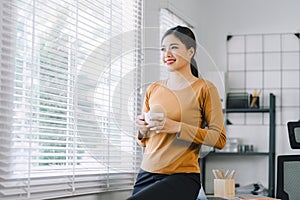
(155, 121)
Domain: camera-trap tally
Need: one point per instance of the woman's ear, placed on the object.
(191, 52)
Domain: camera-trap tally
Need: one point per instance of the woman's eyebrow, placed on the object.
(170, 44)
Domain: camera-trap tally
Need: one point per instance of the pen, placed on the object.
(231, 175)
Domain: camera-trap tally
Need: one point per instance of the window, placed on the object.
(68, 77)
(168, 20)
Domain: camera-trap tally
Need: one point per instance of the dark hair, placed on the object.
(187, 37)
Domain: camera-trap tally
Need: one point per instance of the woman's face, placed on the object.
(175, 55)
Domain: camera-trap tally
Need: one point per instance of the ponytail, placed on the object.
(194, 68)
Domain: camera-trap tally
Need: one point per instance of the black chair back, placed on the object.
(288, 167)
(294, 134)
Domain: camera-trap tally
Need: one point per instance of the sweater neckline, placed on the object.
(187, 87)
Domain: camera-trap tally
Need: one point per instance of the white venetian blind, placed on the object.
(69, 72)
(168, 20)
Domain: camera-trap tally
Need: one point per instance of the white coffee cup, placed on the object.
(150, 115)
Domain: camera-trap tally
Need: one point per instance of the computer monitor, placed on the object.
(294, 134)
(288, 177)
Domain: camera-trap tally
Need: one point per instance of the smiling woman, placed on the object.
(170, 168)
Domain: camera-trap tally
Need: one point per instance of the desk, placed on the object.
(211, 197)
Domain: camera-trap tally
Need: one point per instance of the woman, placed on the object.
(192, 116)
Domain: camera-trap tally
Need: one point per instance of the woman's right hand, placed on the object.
(141, 124)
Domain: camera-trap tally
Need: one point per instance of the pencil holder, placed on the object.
(224, 187)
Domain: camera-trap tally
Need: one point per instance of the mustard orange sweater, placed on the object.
(198, 108)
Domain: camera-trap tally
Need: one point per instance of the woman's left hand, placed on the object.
(165, 125)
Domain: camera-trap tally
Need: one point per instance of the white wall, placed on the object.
(220, 18)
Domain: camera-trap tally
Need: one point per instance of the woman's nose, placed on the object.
(167, 52)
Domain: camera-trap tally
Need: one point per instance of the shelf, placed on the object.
(239, 153)
(270, 154)
(247, 110)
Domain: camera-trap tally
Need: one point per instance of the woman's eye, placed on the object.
(174, 47)
(162, 49)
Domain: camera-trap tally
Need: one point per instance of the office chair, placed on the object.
(288, 167)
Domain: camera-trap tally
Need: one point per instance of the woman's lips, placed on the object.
(169, 61)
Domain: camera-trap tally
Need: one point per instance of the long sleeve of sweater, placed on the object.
(214, 135)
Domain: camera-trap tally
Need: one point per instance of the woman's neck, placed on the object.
(179, 81)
